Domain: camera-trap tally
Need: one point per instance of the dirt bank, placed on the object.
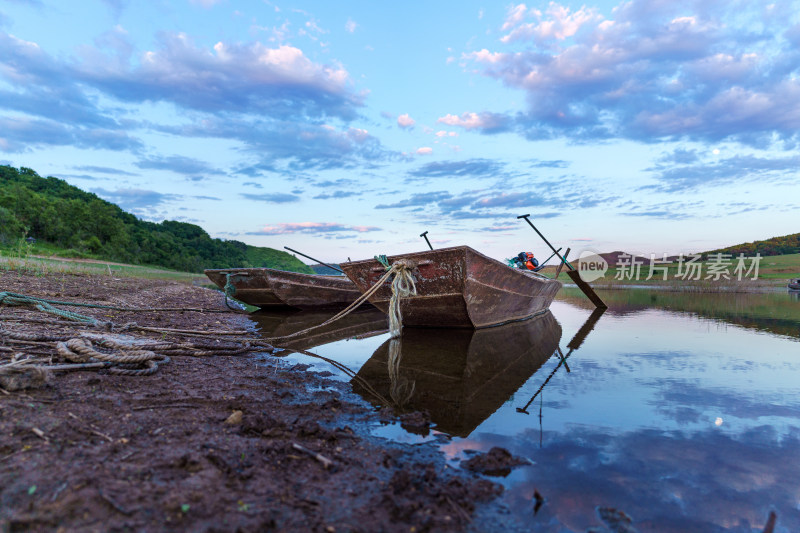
(213, 443)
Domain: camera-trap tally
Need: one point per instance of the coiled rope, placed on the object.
(119, 354)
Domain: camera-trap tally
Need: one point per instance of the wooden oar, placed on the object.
(572, 273)
(317, 260)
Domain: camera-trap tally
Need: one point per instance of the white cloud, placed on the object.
(516, 14)
(425, 150)
(702, 70)
(405, 121)
(350, 26)
(485, 56)
(558, 22)
(471, 121)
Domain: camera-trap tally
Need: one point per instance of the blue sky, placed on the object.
(346, 129)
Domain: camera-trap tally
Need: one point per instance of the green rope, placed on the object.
(229, 289)
(382, 259)
(46, 306)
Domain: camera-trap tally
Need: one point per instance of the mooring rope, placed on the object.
(230, 289)
(403, 285)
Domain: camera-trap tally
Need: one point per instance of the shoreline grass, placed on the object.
(42, 266)
(773, 275)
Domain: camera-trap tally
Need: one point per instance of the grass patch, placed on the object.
(773, 272)
(42, 266)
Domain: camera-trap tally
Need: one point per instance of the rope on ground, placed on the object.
(113, 353)
(14, 299)
(47, 306)
(143, 357)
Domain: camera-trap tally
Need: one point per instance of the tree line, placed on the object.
(55, 212)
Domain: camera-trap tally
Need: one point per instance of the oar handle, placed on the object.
(424, 234)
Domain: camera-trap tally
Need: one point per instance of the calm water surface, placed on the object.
(683, 410)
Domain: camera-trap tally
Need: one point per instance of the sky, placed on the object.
(346, 129)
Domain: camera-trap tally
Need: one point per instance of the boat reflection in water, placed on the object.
(459, 376)
(359, 324)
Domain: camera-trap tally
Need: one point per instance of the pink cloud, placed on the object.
(311, 227)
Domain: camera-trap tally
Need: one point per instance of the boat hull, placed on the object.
(460, 288)
(269, 288)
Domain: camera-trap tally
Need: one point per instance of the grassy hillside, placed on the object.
(66, 220)
(788, 244)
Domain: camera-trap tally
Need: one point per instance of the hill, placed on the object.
(788, 244)
(59, 214)
(325, 271)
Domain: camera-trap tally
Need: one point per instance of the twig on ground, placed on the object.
(458, 509)
(318, 456)
(165, 406)
(114, 504)
(39, 433)
(58, 491)
(90, 430)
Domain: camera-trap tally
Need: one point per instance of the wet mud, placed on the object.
(213, 443)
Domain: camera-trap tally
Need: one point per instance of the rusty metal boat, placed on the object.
(269, 288)
(458, 287)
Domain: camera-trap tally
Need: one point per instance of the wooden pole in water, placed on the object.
(561, 265)
(317, 260)
(572, 273)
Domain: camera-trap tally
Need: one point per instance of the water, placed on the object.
(682, 410)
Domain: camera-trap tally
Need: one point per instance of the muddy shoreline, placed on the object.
(212, 443)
